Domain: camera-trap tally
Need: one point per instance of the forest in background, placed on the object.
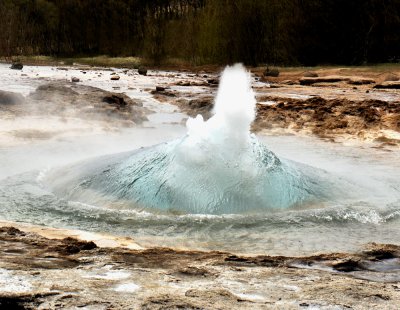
(274, 32)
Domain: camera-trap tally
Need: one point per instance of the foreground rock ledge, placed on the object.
(41, 273)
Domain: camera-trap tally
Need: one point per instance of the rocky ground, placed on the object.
(329, 103)
(41, 273)
(72, 99)
(329, 118)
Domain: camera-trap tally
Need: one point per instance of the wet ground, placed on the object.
(41, 273)
(341, 127)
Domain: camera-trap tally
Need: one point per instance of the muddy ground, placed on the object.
(41, 273)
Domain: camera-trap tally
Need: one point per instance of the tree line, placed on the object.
(306, 32)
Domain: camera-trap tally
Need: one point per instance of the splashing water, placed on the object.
(234, 112)
(219, 167)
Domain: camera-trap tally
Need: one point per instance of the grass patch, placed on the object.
(97, 61)
(105, 61)
(179, 64)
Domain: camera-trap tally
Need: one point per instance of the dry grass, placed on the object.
(180, 64)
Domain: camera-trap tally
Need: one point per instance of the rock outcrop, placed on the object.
(202, 105)
(324, 117)
(88, 102)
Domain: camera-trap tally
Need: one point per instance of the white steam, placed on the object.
(234, 111)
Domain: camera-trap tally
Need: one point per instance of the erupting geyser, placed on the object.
(219, 167)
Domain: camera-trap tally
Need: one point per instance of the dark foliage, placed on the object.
(206, 31)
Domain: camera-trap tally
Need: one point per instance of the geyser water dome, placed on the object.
(219, 167)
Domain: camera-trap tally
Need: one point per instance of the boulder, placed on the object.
(74, 79)
(17, 66)
(7, 97)
(115, 77)
(142, 71)
(160, 88)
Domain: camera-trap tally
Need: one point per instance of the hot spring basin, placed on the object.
(219, 167)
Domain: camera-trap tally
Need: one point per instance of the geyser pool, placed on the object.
(337, 223)
(219, 167)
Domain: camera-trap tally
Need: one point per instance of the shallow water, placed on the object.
(343, 227)
(373, 216)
